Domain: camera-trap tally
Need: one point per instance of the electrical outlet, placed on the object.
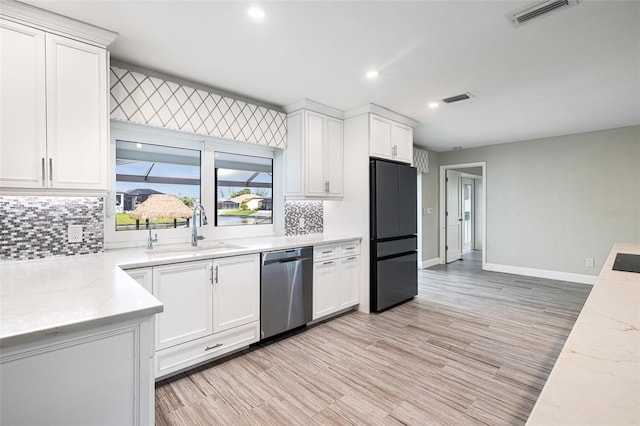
(429, 210)
(75, 234)
(301, 222)
(589, 262)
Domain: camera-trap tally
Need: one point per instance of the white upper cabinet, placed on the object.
(77, 114)
(23, 142)
(54, 103)
(390, 140)
(314, 158)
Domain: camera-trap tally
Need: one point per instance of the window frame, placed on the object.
(207, 146)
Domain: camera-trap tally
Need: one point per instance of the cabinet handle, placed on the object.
(50, 170)
(327, 252)
(43, 176)
(216, 274)
(350, 248)
(328, 263)
(208, 348)
(352, 258)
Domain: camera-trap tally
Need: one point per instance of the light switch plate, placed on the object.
(75, 234)
(589, 262)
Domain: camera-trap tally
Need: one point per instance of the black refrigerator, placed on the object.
(393, 221)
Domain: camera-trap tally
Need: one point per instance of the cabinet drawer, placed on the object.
(324, 252)
(349, 248)
(189, 354)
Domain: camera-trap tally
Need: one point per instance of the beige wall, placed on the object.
(553, 202)
(430, 234)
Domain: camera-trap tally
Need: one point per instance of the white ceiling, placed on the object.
(571, 71)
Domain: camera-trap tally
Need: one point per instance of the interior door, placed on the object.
(466, 204)
(453, 217)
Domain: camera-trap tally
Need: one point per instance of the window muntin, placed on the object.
(143, 169)
(243, 189)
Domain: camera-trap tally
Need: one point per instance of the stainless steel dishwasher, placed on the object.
(287, 290)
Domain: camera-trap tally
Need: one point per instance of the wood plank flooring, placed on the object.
(473, 348)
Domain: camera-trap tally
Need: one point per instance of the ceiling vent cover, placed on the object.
(457, 98)
(523, 15)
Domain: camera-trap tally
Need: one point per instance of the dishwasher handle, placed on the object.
(284, 256)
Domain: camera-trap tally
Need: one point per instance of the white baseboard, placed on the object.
(429, 263)
(542, 273)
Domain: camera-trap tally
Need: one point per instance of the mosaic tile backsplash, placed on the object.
(309, 211)
(36, 227)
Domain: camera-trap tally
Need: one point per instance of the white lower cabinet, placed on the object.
(99, 376)
(186, 291)
(325, 288)
(211, 307)
(336, 278)
(144, 277)
(236, 292)
(195, 352)
(349, 282)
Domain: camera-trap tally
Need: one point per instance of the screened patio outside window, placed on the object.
(146, 169)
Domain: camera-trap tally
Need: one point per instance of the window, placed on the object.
(243, 188)
(144, 170)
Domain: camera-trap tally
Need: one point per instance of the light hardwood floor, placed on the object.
(472, 348)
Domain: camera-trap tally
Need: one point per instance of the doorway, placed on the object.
(463, 212)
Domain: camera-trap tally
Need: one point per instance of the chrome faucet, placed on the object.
(194, 227)
(150, 241)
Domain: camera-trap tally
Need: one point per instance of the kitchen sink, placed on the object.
(202, 246)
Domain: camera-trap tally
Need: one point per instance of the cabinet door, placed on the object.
(402, 140)
(22, 109)
(349, 287)
(325, 291)
(77, 114)
(334, 158)
(380, 138)
(186, 291)
(89, 378)
(314, 146)
(236, 295)
(144, 277)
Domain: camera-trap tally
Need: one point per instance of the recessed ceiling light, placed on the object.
(372, 75)
(139, 145)
(433, 105)
(256, 13)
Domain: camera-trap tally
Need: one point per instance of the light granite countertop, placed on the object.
(40, 298)
(596, 379)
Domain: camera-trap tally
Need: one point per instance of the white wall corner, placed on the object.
(542, 273)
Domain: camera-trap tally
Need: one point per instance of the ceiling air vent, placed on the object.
(523, 15)
(457, 98)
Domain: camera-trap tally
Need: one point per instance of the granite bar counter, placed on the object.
(596, 379)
